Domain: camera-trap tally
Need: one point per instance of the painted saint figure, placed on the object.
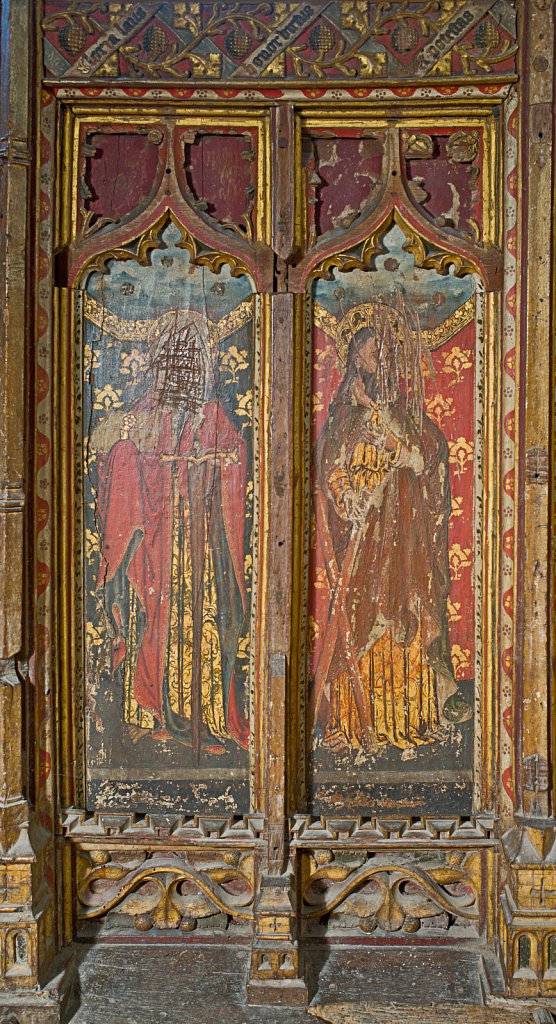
(382, 511)
(171, 506)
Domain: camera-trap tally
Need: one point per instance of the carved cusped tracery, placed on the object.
(393, 200)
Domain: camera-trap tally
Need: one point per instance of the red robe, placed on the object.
(136, 494)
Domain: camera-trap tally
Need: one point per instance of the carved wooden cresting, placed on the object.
(275, 522)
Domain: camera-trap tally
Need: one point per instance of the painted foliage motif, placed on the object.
(392, 594)
(350, 40)
(168, 521)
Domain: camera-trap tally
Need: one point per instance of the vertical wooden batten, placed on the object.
(15, 165)
(528, 909)
(275, 974)
(276, 970)
(19, 909)
(536, 334)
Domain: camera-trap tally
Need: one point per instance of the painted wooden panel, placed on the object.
(168, 366)
(395, 484)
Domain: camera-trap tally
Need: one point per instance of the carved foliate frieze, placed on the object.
(391, 892)
(344, 40)
(165, 890)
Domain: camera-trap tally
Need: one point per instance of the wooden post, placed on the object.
(19, 932)
(16, 856)
(25, 913)
(528, 905)
(275, 963)
(537, 255)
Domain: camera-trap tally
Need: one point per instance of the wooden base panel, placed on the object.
(277, 993)
(350, 1013)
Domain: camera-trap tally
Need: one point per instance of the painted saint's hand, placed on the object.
(129, 421)
(376, 435)
(354, 508)
(411, 458)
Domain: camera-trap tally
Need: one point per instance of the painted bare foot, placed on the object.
(136, 733)
(215, 749)
(336, 741)
(182, 734)
(161, 734)
(452, 705)
(209, 746)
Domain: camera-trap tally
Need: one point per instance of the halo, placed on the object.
(365, 315)
(145, 330)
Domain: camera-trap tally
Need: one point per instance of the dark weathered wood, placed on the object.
(283, 180)
(357, 1013)
(280, 558)
(16, 855)
(203, 983)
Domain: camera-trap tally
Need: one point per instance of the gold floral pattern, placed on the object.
(439, 408)
(460, 558)
(461, 454)
(107, 398)
(245, 406)
(134, 364)
(232, 362)
(455, 362)
(460, 659)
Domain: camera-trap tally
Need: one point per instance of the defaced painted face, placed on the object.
(367, 353)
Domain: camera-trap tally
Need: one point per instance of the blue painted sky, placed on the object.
(431, 295)
(136, 293)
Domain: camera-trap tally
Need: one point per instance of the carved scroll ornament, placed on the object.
(165, 890)
(389, 896)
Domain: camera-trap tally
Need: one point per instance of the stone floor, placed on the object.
(141, 983)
